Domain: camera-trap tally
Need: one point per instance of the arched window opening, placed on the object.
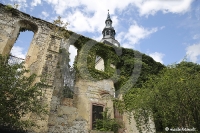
(99, 63)
(20, 48)
(69, 73)
(73, 54)
(21, 40)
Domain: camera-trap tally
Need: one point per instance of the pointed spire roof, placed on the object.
(108, 17)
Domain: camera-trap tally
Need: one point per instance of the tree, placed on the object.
(59, 28)
(170, 98)
(19, 95)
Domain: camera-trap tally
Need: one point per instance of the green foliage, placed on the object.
(11, 7)
(129, 61)
(125, 62)
(19, 95)
(8, 7)
(87, 52)
(59, 28)
(170, 98)
(108, 124)
(60, 23)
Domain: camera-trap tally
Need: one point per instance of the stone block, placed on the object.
(65, 110)
(54, 99)
(67, 102)
(55, 92)
(52, 120)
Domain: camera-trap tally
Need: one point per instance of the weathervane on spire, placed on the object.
(108, 17)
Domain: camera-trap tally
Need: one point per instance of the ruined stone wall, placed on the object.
(48, 55)
(63, 115)
(42, 59)
(42, 54)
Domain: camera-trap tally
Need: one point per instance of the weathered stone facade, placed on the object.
(42, 58)
(66, 115)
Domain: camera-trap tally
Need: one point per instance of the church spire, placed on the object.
(108, 16)
(109, 33)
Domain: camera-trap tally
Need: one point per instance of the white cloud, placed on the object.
(120, 36)
(197, 36)
(134, 35)
(79, 22)
(193, 52)
(150, 7)
(197, 12)
(61, 5)
(73, 53)
(89, 5)
(35, 2)
(22, 4)
(44, 15)
(84, 22)
(157, 56)
(19, 1)
(162, 27)
(88, 15)
(98, 38)
(18, 52)
(127, 45)
(145, 7)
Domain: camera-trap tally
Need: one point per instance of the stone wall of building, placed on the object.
(39, 55)
(88, 93)
(48, 55)
(66, 115)
(42, 58)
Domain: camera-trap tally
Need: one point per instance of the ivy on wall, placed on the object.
(85, 62)
(125, 62)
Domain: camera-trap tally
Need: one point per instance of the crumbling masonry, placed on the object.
(49, 54)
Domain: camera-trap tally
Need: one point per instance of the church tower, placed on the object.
(109, 33)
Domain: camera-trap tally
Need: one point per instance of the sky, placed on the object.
(166, 30)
